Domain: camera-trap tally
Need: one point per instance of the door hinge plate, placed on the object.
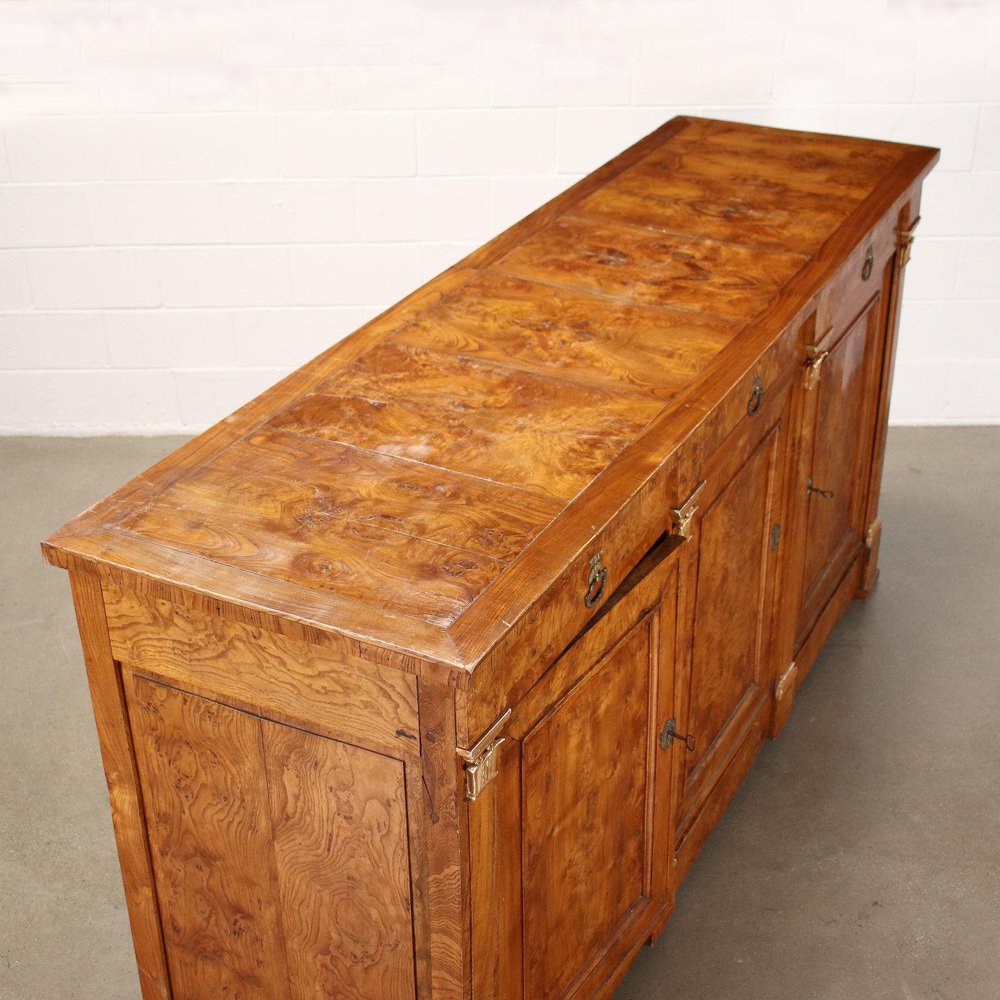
(481, 761)
(814, 367)
(905, 242)
(682, 516)
(786, 682)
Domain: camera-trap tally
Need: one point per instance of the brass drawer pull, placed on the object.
(595, 581)
(756, 396)
(866, 270)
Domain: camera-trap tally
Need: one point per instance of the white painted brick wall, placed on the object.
(195, 198)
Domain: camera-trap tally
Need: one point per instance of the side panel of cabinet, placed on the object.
(837, 459)
(280, 857)
(570, 842)
(729, 583)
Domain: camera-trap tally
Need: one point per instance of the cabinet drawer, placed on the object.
(856, 281)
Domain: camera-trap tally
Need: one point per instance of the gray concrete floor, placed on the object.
(860, 860)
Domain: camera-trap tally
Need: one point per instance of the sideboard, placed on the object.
(427, 673)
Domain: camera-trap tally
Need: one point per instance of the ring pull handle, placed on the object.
(866, 269)
(756, 396)
(595, 581)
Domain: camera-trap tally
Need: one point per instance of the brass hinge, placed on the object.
(785, 682)
(682, 516)
(871, 535)
(481, 760)
(905, 242)
(814, 366)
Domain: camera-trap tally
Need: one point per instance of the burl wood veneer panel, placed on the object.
(397, 486)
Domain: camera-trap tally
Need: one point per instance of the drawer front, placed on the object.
(856, 281)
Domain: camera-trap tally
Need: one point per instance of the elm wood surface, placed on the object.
(373, 560)
(399, 404)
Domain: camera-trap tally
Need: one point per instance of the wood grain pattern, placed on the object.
(466, 390)
(704, 276)
(839, 460)
(292, 623)
(124, 793)
(578, 336)
(339, 820)
(264, 672)
(585, 787)
(756, 211)
(202, 768)
(444, 831)
(822, 164)
(504, 425)
(304, 485)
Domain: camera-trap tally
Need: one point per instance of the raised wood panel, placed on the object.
(202, 768)
(581, 780)
(732, 562)
(729, 591)
(585, 784)
(281, 857)
(265, 672)
(635, 265)
(339, 822)
(841, 444)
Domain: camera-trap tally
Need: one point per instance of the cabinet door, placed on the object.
(729, 579)
(280, 857)
(571, 839)
(840, 417)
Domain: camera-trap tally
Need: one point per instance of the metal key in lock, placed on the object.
(669, 734)
(828, 494)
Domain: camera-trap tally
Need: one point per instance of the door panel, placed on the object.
(585, 790)
(260, 835)
(339, 820)
(842, 429)
(729, 582)
(727, 667)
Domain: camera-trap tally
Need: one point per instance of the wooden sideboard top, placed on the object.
(419, 485)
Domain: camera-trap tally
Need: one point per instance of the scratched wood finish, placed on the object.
(292, 623)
